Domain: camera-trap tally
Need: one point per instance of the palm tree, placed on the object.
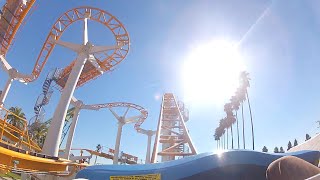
(38, 132)
(224, 139)
(223, 126)
(242, 97)
(230, 120)
(219, 133)
(235, 106)
(15, 118)
(244, 76)
(226, 127)
(98, 149)
(227, 108)
(243, 136)
(216, 138)
(227, 138)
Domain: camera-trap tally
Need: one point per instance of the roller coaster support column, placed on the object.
(150, 133)
(51, 145)
(122, 120)
(85, 51)
(75, 117)
(12, 73)
(5, 91)
(117, 146)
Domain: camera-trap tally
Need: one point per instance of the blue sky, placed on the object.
(280, 53)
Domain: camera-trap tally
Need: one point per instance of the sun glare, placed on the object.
(211, 72)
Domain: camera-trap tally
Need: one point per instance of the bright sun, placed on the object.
(211, 72)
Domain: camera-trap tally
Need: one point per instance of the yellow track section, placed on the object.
(19, 153)
(7, 131)
(25, 162)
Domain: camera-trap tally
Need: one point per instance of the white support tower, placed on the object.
(122, 120)
(13, 74)
(85, 51)
(172, 134)
(78, 107)
(149, 133)
(76, 112)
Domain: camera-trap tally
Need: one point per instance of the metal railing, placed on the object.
(14, 131)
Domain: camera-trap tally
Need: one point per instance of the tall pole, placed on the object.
(5, 91)
(148, 149)
(71, 131)
(251, 120)
(238, 129)
(51, 145)
(243, 136)
(150, 133)
(231, 137)
(227, 138)
(117, 145)
(85, 31)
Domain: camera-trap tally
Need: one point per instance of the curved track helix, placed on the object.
(13, 158)
(106, 60)
(11, 18)
(141, 118)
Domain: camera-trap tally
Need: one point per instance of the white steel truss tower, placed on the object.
(172, 135)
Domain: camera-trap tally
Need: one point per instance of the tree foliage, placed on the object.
(289, 145)
(38, 132)
(281, 150)
(295, 143)
(16, 118)
(264, 149)
(307, 137)
(276, 150)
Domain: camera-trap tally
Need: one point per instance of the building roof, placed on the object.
(311, 144)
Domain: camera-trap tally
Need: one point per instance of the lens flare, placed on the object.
(211, 71)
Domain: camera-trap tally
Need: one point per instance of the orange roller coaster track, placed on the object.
(141, 119)
(17, 151)
(106, 60)
(11, 18)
